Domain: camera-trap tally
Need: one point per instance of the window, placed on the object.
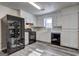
(48, 22)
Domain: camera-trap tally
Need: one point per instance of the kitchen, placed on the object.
(54, 26)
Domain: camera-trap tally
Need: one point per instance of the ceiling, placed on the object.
(47, 7)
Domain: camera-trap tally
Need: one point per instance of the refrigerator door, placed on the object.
(69, 38)
(15, 40)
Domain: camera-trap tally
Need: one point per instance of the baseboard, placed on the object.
(70, 47)
(57, 45)
(5, 50)
(43, 42)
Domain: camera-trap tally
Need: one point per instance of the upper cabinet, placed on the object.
(39, 21)
(70, 21)
(69, 17)
(57, 21)
(54, 21)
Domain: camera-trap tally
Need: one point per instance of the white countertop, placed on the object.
(56, 31)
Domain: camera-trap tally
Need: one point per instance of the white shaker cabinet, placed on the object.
(54, 21)
(26, 38)
(69, 34)
(69, 38)
(59, 20)
(70, 21)
(44, 36)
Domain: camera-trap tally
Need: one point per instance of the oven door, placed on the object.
(32, 37)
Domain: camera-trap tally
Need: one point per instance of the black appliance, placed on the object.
(32, 37)
(55, 38)
(12, 32)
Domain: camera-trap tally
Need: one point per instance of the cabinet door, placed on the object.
(69, 38)
(54, 21)
(59, 21)
(26, 38)
(70, 21)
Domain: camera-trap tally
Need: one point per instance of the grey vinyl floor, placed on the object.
(44, 49)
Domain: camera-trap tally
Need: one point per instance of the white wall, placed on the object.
(3, 11)
(29, 18)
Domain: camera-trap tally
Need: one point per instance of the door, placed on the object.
(32, 37)
(15, 29)
(70, 21)
(26, 38)
(69, 38)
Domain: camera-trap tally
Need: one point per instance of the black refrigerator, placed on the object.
(12, 34)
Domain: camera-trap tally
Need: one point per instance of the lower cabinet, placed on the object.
(69, 39)
(30, 37)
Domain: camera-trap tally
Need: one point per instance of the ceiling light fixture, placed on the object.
(35, 5)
